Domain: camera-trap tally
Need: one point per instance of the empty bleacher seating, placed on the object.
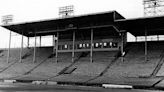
(132, 66)
(100, 60)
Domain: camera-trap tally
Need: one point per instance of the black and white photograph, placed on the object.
(81, 45)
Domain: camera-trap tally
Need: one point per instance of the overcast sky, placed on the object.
(33, 10)
(27, 10)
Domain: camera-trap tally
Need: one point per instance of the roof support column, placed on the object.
(145, 45)
(8, 55)
(122, 47)
(40, 41)
(73, 46)
(91, 52)
(21, 49)
(157, 37)
(57, 42)
(34, 57)
(53, 43)
(28, 41)
(136, 38)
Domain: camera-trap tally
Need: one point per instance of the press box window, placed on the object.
(65, 47)
(104, 45)
(83, 45)
(96, 45)
(87, 45)
(79, 46)
(115, 45)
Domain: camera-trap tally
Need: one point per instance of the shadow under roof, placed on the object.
(138, 26)
(50, 27)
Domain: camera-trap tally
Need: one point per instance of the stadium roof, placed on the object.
(137, 26)
(49, 27)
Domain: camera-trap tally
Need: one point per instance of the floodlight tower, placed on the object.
(66, 11)
(153, 7)
(6, 20)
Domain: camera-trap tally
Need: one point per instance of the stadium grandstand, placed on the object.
(88, 49)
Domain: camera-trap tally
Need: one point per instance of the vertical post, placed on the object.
(122, 47)
(21, 49)
(28, 40)
(136, 38)
(6, 19)
(8, 55)
(145, 44)
(91, 53)
(57, 42)
(157, 37)
(53, 43)
(73, 47)
(40, 41)
(34, 57)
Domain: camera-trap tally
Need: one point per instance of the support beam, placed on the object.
(34, 57)
(122, 47)
(53, 43)
(21, 49)
(157, 37)
(73, 47)
(40, 43)
(91, 52)
(145, 45)
(8, 55)
(28, 41)
(136, 38)
(57, 46)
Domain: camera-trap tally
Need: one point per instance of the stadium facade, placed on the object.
(76, 34)
(86, 47)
